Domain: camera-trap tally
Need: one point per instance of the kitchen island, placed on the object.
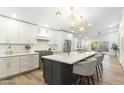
(58, 69)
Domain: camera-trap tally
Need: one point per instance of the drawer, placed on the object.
(36, 56)
(27, 67)
(3, 59)
(29, 63)
(26, 57)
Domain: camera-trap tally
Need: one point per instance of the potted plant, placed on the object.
(115, 48)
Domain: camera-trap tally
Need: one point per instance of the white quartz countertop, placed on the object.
(17, 54)
(69, 59)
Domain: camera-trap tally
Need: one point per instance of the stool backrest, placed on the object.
(85, 68)
(99, 58)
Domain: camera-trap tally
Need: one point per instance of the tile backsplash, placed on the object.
(15, 48)
(40, 45)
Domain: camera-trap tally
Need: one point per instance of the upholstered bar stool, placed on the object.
(99, 67)
(85, 68)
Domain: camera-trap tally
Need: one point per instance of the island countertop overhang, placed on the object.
(73, 58)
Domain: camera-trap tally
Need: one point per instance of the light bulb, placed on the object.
(81, 28)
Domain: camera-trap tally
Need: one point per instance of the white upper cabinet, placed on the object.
(67, 36)
(32, 34)
(12, 31)
(54, 37)
(23, 32)
(3, 30)
(27, 33)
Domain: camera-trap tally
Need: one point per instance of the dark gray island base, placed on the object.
(58, 69)
(57, 73)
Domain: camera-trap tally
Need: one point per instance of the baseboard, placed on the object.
(20, 73)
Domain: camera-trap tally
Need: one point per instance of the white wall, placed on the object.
(121, 40)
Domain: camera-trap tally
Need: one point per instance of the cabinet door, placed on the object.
(3, 30)
(23, 32)
(12, 31)
(32, 34)
(53, 37)
(12, 65)
(3, 69)
(27, 33)
(47, 71)
(24, 63)
(29, 62)
(36, 61)
(56, 73)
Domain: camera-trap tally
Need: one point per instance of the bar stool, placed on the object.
(85, 68)
(99, 67)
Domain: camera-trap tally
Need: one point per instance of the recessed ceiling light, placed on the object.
(72, 31)
(13, 15)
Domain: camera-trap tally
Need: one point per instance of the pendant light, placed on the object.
(81, 24)
(72, 18)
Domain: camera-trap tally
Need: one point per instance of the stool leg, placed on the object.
(88, 80)
(102, 67)
(100, 72)
(92, 80)
(75, 77)
(80, 79)
(97, 73)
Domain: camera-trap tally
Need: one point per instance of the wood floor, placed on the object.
(112, 75)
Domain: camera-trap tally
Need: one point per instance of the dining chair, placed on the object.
(85, 68)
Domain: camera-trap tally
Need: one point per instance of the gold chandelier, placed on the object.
(72, 20)
(81, 24)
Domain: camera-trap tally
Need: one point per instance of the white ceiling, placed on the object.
(100, 18)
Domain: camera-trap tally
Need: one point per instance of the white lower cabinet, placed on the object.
(17, 64)
(29, 62)
(12, 65)
(3, 67)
